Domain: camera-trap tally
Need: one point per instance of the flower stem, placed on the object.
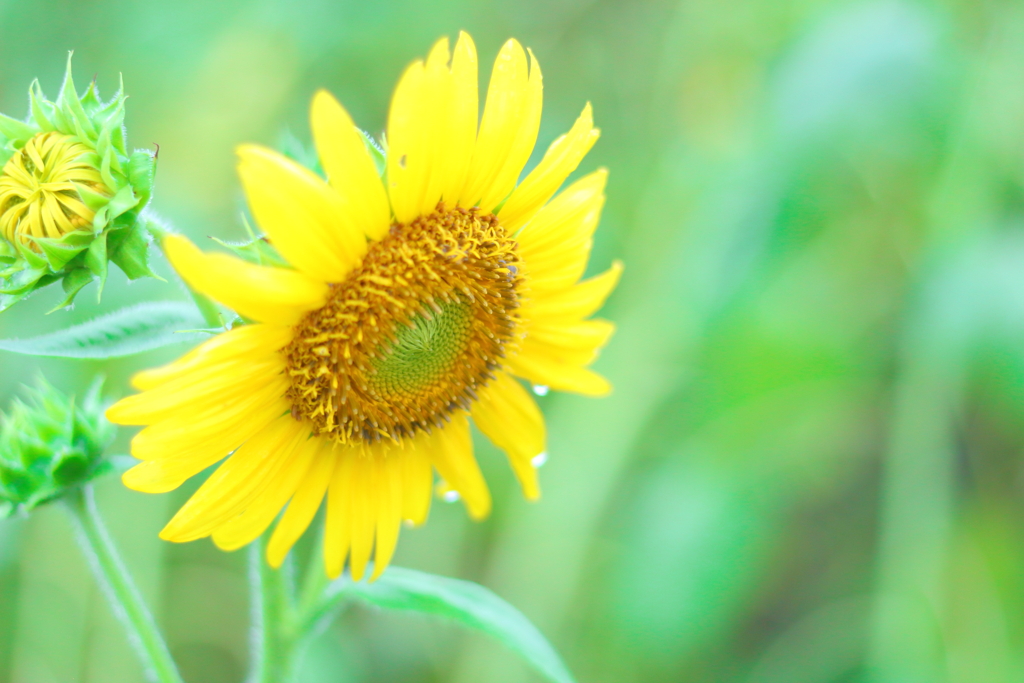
(277, 645)
(119, 588)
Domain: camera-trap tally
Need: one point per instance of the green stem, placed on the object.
(278, 644)
(320, 597)
(208, 309)
(119, 588)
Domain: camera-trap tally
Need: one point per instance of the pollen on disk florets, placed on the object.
(412, 333)
(39, 189)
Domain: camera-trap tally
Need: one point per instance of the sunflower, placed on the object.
(417, 300)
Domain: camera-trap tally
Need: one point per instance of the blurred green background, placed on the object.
(810, 470)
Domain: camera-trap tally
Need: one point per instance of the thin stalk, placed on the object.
(277, 640)
(314, 582)
(119, 588)
(208, 309)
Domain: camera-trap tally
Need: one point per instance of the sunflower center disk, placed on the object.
(410, 335)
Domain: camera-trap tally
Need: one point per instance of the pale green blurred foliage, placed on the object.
(810, 470)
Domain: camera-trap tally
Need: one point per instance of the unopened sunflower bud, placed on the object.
(48, 444)
(70, 194)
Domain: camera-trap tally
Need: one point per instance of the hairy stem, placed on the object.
(277, 643)
(119, 587)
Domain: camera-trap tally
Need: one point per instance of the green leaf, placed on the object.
(125, 332)
(467, 603)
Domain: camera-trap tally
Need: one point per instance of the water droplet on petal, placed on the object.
(541, 390)
(539, 459)
(450, 496)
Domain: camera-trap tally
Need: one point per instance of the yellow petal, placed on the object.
(561, 159)
(245, 343)
(304, 217)
(575, 343)
(542, 369)
(262, 293)
(411, 134)
(417, 479)
(388, 520)
(198, 392)
(304, 504)
(362, 493)
(555, 244)
(464, 109)
(250, 524)
(575, 302)
(508, 129)
(166, 474)
(338, 527)
(510, 418)
(349, 167)
(238, 481)
(451, 451)
(216, 430)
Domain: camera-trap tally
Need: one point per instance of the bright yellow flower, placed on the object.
(39, 189)
(413, 306)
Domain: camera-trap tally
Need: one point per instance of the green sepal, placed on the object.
(59, 251)
(128, 248)
(8, 254)
(91, 100)
(96, 261)
(31, 258)
(15, 131)
(121, 203)
(377, 153)
(69, 102)
(94, 200)
(258, 251)
(72, 284)
(142, 173)
(22, 281)
(40, 109)
(17, 482)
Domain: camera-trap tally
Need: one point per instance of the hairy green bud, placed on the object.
(50, 443)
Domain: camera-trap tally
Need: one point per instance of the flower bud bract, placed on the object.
(50, 443)
(71, 194)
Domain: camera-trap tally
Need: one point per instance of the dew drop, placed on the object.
(539, 459)
(450, 496)
(541, 390)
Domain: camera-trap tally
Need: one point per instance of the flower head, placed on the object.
(70, 194)
(412, 305)
(49, 444)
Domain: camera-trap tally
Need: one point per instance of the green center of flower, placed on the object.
(428, 346)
